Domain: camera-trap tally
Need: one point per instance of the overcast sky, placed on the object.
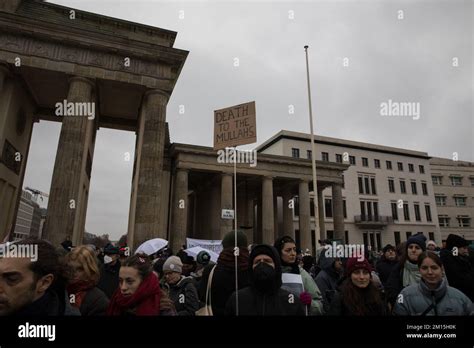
(403, 60)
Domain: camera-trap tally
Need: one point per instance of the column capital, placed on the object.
(156, 91)
(82, 79)
(182, 170)
(268, 177)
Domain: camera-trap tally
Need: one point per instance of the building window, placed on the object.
(372, 184)
(417, 212)
(443, 220)
(403, 188)
(338, 158)
(406, 212)
(309, 154)
(376, 163)
(295, 153)
(367, 185)
(400, 166)
(394, 211)
(396, 235)
(352, 160)
(431, 235)
(344, 208)
(391, 185)
(328, 207)
(428, 213)
(437, 180)
(408, 235)
(389, 164)
(422, 169)
(460, 201)
(346, 235)
(413, 188)
(365, 162)
(440, 200)
(325, 156)
(411, 168)
(330, 234)
(456, 181)
(464, 221)
(424, 188)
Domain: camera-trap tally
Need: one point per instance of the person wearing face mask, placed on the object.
(358, 295)
(264, 296)
(406, 272)
(432, 295)
(387, 263)
(109, 270)
(311, 296)
(459, 268)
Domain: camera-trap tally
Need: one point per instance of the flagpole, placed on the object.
(313, 157)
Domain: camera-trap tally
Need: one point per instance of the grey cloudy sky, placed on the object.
(405, 60)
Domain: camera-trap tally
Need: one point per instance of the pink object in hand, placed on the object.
(305, 298)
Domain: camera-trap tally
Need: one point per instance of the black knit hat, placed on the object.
(229, 240)
(455, 241)
(418, 239)
(387, 248)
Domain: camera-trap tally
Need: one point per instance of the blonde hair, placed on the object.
(86, 257)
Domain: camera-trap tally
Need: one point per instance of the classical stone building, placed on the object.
(453, 183)
(125, 72)
(387, 194)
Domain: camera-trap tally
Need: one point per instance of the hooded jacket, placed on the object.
(459, 269)
(184, 295)
(327, 280)
(272, 302)
(444, 300)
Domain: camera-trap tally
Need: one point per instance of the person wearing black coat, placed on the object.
(223, 279)
(387, 263)
(109, 271)
(457, 265)
(264, 296)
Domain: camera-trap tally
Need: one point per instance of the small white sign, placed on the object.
(228, 214)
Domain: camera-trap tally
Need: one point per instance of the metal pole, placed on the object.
(236, 249)
(313, 156)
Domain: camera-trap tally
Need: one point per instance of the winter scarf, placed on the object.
(79, 289)
(411, 274)
(144, 301)
(227, 259)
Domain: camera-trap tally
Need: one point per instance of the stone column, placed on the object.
(338, 211)
(304, 218)
(275, 218)
(288, 228)
(250, 220)
(72, 169)
(179, 217)
(267, 211)
(227, 225)
(322, 227)
(149, 168)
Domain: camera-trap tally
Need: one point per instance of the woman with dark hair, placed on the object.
(139, 292)
(406, 272)
(311, 296)
(358, 295)
(432, 295)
